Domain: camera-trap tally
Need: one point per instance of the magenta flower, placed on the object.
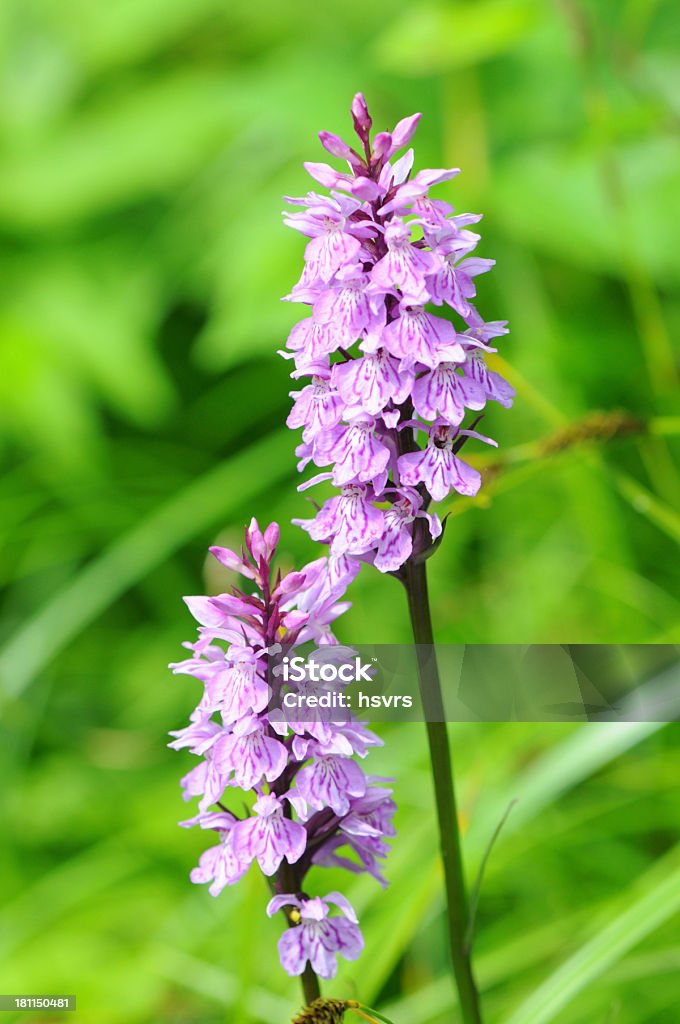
(387, 260)
(317, 938)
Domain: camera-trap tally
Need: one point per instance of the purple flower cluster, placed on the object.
(311, 797)
(381, 254)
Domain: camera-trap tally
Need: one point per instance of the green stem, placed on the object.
(310, 985)
(442, 771)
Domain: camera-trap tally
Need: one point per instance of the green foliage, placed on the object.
(145, 149)
(431, 38)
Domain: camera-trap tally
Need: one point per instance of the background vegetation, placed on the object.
(145, 148)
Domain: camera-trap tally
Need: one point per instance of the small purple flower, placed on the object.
(363, 831)
(250, 753)
(419, 337)
(235, 688)
(318, 938)
(270, 837)
(198, 736)
(438, 467)
(320, 603)
(373, 381)
(371, 814)
(347, 305)
(311, 340)
(396, 543)
(205, 780)
(403, 266)
(219, 865)
(317, 407)
(331, 246)
(368, 851)
(356, 451)
(349, 523)
(453, 282)
(492, 384)
(445, 392)
(330, 781)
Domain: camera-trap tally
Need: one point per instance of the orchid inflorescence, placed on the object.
(311, 797)
(384, 369)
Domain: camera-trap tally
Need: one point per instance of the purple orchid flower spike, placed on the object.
(310, 792)
(387, 260)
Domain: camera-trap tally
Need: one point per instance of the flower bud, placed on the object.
(404, 131)
(382, 145)
(335, 145)
(361, 117)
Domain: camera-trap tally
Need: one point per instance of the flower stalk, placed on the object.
(310, 984)
(415, 582)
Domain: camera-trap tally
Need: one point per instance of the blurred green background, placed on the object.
(145, 148)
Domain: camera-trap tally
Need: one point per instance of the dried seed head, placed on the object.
(323, 1011)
